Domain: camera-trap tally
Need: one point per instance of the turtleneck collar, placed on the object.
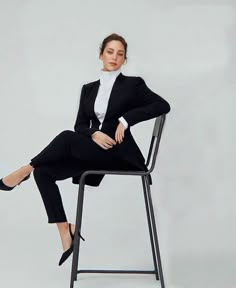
(107, 76)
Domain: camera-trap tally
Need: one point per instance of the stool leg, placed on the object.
(155, 233)
(77, 238)
(150, 227)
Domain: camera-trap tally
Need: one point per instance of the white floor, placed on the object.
(61, 278)
(29, 257)
(24, 268)
(116, 281)
(36, 274)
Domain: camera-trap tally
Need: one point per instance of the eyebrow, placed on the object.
(113, 50)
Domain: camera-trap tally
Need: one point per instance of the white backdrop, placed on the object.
(185, 51)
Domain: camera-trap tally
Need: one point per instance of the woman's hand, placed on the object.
(120, 133)
(103, 140)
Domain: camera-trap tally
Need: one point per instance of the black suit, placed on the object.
(70, 153)
(130, 98)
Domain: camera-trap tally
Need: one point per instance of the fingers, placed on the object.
(109, 140)
(103, 144)
(120, 133)
(103, 140)
(106, 146)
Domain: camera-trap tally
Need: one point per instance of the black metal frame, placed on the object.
(153, 150)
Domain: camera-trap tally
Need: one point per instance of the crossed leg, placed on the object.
(58, 161)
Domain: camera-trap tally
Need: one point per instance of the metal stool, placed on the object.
(145, 175)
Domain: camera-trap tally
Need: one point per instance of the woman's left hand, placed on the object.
(120, 133)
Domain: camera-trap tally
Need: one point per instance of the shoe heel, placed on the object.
(81, 237)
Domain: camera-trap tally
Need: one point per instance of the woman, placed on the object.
(102, 137)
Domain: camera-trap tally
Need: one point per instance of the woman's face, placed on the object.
(113, 56)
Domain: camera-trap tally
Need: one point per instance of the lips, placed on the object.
(112, 63)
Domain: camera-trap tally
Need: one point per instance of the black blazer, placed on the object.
(131, 98)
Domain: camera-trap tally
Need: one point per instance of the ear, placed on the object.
(100, 56)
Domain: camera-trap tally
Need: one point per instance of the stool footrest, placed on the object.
(118, 271)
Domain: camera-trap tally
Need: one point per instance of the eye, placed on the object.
(109, 52)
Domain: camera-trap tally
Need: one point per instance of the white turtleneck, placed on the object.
(107, 80)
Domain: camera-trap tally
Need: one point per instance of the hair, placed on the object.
(110, 38)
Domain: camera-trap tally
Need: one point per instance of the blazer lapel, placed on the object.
(114, 97)
(93, 96)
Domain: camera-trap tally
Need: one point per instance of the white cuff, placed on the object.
(124, 122)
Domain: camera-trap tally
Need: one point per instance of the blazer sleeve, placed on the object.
(147, 105)
(82, 123)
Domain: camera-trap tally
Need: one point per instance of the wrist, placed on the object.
(94, 133)
(123, 122)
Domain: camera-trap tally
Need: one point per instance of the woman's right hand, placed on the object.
(103, 140)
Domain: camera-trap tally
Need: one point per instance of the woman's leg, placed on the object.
(58, 161)
(50, 194)
(45, 178)
(58, 149)
(63, 229)
(17, 176)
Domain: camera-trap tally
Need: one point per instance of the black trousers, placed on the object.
(66, 156)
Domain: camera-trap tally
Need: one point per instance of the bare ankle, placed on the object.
(63, 227)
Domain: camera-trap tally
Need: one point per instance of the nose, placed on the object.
(114, 56)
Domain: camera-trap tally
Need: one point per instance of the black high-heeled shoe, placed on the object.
(69, 251)
(8, 188)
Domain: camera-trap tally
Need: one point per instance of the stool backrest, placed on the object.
(155, 141)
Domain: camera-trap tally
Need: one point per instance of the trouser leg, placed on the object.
(50, 194)
(69, 145)
(46, 177)
(66, 156)
(59, 149)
